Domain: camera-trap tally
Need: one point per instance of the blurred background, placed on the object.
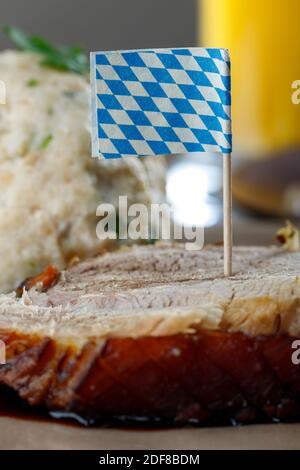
(105, 24)
(265, 51)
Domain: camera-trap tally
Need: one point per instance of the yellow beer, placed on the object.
(264, 41)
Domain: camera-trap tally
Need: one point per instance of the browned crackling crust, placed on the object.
(205, 377)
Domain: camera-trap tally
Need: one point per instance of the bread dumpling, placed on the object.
(50, 186)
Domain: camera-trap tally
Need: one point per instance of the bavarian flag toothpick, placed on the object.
(164, 101)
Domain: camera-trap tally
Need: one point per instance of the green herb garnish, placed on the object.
(151, 241)
(69, 93)
(73, 59)
(45, 142)
(33, 82)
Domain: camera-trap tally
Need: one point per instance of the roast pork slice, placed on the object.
(157, 332)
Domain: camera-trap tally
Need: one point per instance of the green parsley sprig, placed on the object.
(72, 59)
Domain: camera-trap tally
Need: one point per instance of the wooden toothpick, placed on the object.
(227, 214)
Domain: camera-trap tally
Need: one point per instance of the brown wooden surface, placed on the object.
(18, 434)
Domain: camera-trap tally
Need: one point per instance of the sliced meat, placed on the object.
(158, 333)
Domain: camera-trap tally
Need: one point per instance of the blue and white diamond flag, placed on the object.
(160, 101)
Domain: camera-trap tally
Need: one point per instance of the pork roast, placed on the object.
(158, 333)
